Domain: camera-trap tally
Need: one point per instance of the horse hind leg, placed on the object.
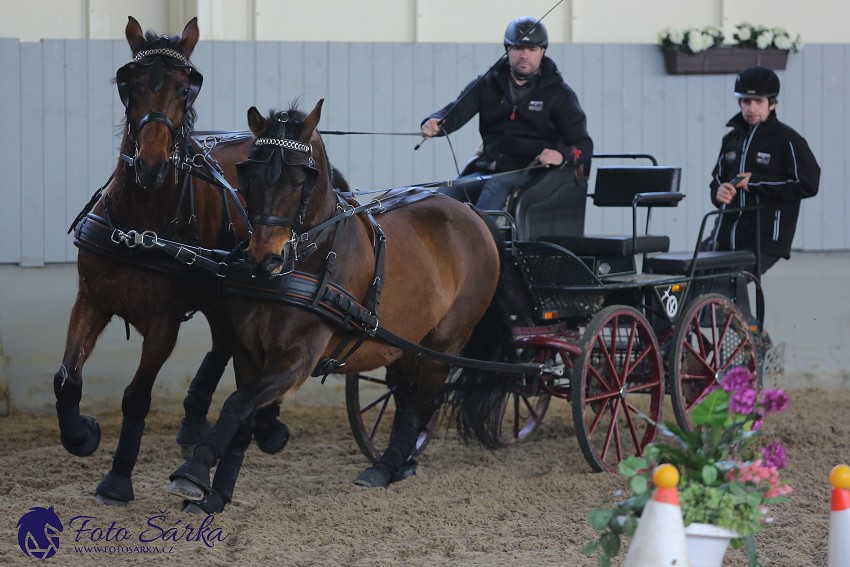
(416, 401)
(270, 433)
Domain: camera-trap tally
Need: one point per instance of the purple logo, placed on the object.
(38, 532)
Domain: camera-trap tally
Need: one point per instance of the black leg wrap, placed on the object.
(117, 484)
(270, 433)
(225, 476)
(80, 434)
(197, 401)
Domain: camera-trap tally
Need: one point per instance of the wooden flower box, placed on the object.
(723, 59)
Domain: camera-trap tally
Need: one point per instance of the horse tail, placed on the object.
(476, 397)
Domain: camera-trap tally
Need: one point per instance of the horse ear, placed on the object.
(189, 37)
(312, 120)
(256, 122)
(135, 35)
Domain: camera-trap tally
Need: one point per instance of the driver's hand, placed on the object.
(550, 158)
(725, 193)
(431, 127)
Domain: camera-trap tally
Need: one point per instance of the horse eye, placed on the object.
(185, 91)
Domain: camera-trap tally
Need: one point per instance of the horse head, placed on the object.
(285, 168)
(158, 88)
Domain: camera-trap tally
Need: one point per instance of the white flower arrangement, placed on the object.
(761, 37)
(691, 40)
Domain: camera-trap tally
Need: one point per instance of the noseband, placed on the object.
(284, 151)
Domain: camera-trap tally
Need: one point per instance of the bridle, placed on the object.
(276, 152)
(157, 58)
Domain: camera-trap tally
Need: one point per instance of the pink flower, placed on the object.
(739, 378)
(774, 401)
(774, 455)
(743, 400)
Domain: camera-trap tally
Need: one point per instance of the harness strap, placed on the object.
(338, 306)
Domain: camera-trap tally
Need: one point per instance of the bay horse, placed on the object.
(163, 189)
(431, 266)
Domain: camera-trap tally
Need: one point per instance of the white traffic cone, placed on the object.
(659, 540)
(839, 518)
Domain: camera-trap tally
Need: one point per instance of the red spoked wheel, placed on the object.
(370, 405)
(710, 338)
(526, 403)
(617, 387)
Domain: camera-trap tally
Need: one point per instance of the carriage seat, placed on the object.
(634, 187)
(705, 262)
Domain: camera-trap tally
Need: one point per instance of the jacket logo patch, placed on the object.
(762, 158)
(535, 105)
(730, 156)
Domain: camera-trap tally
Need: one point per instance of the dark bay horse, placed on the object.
(427, 272)
(163, 189)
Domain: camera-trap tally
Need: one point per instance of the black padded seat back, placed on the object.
(610, 245)
(558, 211)
(616, 186)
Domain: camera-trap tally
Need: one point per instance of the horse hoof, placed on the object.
(190, 433)
(107, 501)
(273, 438)
(213, 503)
(407, 471)
(376, 476)
(115, 490)
(186, 489)
(190, 507)
(187, 451)
(88, 444)
(191, 481)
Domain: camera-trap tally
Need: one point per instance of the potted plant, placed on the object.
(694, 51)
(727, 480)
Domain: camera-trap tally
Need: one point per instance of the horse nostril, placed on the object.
(272, 264)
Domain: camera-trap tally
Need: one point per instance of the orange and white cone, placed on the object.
(659, 540)
(839, 518)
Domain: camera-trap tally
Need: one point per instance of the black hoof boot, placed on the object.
(189, 435)
(378, 475)
(272, 437)
(114, 490)
(213, 504)
(85, 444)
(191, 481)
(407, 471)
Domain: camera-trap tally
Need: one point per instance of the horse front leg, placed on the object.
(80, 434)
(271, 434)
(160, 336)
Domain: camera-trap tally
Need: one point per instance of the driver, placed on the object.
(527, 115)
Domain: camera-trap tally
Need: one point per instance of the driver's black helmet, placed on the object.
(527, 32)
(757, 81)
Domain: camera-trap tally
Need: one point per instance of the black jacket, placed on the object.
(549, 116)
(784, 171)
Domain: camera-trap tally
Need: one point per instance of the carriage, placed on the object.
(612, 323)
(620, 322)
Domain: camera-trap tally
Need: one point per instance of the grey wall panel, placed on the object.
(61, 125)
(11, 182)
(32, 161)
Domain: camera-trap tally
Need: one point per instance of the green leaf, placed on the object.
(590, 547)
(599, 518)
(638, 484)
(610, 544)
(630, 526)
(712, 410)
(709, 474)
(631, 465)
